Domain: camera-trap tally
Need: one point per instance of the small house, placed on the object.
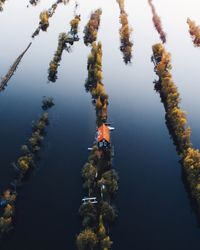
(103, 136)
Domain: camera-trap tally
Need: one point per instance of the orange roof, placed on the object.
(103, 133)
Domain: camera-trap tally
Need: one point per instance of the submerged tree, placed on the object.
(87, 240)
(65, 41)
(157, 22)
(91, 29)
(125, 33)
(126, 44)
(45, 15)
(13, 68)
(89, 214)
(194, 30)
(176, 120)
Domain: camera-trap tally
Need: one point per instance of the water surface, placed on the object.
(154, 209)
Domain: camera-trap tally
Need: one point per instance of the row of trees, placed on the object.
(194, 30)
(92, 27)
(100, 180)
(157, 22)
(94, 83)
(177, 120)
(11, 71)
(24, 164)
(125, 33)
(45, 15)
(64, 42)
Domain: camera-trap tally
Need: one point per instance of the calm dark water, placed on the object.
(154, 209)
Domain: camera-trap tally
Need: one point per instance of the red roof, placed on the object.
(103, 133)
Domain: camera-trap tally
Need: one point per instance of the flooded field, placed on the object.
(100, 77)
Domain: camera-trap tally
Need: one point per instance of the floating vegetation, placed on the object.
(94, 83)
(157, 22)
(25, 163)
(1, 4)
(65, 41)
(100, 180)
(92, 27)
(194, 30)
(44, 17)
(177, 121)
(6, 78)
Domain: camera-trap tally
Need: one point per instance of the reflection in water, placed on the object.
(12, 69)
(25, 164)
(125, 32)
(157, 22)
(194, 30)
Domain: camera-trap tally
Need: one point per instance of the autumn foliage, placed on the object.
(177, 120)
(157, 22)
(125, 33)
(94, 83)
(64, 42)
(194, 30)
(100, 180)
(92, 27)
(45, 15)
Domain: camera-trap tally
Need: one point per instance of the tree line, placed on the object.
(25, 163)
(157, 22)
(94, 83)
(100, 180)
(125, 33)
(64, 43)
(177, 121)
(92, 27)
